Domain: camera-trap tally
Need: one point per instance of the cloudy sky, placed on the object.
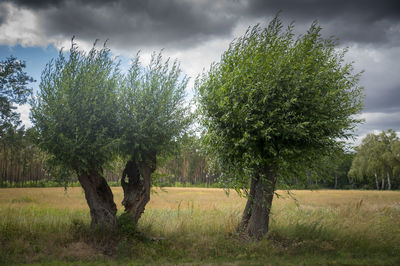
(196, 33)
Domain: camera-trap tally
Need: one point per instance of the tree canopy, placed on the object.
(75, 109)
(153, 113)
(271, 105)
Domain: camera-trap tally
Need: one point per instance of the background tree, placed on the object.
(377, 159)
(273, 104)
(75, 116)
(389, 157)
(20, 159)
(366, 163)
(13, 90)
(153, 116)
(188, 166)
(327, 171)
(333, 169)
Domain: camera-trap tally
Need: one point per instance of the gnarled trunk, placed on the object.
(99, 198)
(136, 185)
(255, 219)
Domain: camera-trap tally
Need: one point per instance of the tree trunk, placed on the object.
(99, 198)
(255, 219)
(376, 181)
(136, 185)
(383, 183)
(336, 178)
(388, 180)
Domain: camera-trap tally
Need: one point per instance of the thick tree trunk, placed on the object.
(99, 198)
(255, 219)
(136, 184)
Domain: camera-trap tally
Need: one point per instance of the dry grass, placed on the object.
(39, 224)
(202, 198)
(74, 198)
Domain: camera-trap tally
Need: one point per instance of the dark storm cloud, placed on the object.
(350, 21)
(185, 23)
(139, 23)
(368, 11)
(3, 15)
(383, 100)
(35, 4)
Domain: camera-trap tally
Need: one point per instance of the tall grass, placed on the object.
(199, 226)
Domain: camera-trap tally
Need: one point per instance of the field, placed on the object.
(197, 226)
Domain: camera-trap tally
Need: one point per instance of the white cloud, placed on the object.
(24, 110)
(20, 27)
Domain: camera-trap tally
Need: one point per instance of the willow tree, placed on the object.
(377, 157)
(153, 116)
(75, 115)
(271, 105)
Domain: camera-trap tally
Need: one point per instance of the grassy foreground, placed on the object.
(197, 226)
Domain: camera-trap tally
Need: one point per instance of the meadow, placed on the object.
(197, 226)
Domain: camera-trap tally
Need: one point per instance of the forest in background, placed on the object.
(372, 165)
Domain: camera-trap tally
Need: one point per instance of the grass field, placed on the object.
(197, 226)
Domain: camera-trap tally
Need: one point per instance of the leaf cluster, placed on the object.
(75, 109)
(153, 113)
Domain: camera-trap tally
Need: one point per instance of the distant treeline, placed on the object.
(373, 165)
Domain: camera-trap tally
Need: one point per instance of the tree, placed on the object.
(75, 115)
(13, 90)
(378, 158)
(389, 156)
(153, 116)
(366, 163)
(271, 106)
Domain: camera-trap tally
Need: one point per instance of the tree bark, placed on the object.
(255, 219)
(376, 181)
(99, 198)
(136, 184)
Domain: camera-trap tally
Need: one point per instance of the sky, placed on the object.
(197, 32)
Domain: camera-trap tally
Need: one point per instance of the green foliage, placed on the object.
(75, 109)
(378, 158)
(330, 170)
(153, 113)
(13, 90)
(187, 166)
(126, 227)
(277, 100)
(20, 159)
